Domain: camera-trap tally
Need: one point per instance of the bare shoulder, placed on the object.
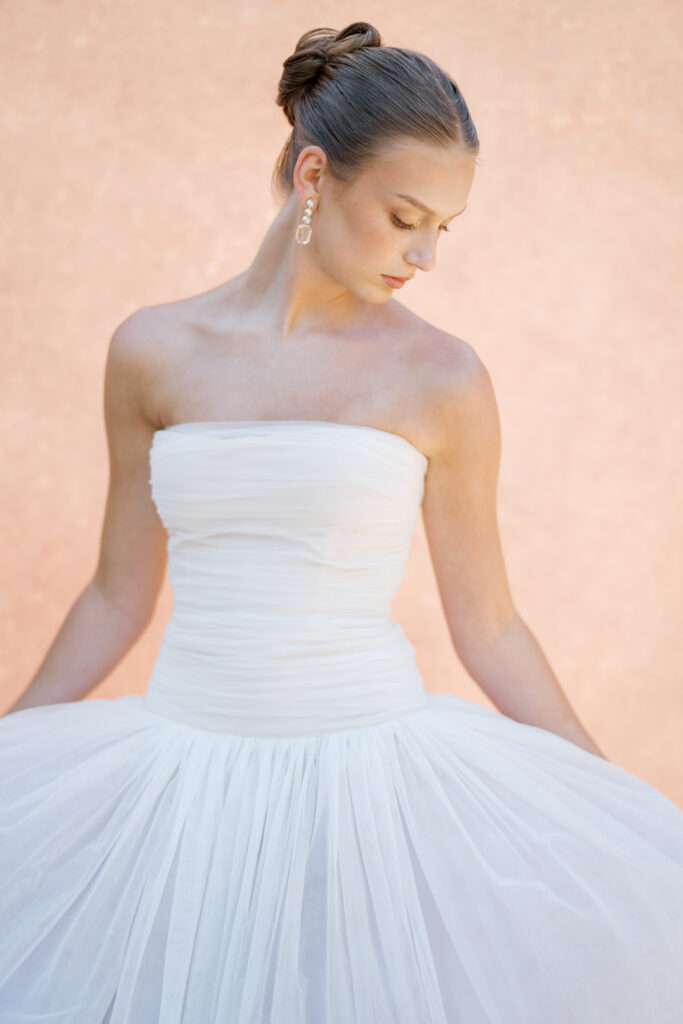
(145, 348)
(456, 393)
(150, 327)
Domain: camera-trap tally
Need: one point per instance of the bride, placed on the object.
(286, 826)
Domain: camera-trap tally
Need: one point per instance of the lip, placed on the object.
(395, 282)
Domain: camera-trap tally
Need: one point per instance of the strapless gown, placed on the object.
(286, 827)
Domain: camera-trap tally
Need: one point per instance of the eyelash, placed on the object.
(410, 227)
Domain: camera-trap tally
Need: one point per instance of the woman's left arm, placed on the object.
(460, 516)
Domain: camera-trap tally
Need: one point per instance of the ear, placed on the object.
(309, 172)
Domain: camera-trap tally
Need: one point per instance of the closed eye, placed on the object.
(411, 227)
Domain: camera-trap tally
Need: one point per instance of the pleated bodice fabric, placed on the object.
(287, 543)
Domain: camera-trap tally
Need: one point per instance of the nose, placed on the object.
(424, 257)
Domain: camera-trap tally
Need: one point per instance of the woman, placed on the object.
(286, 826)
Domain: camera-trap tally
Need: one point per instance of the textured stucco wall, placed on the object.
(137, 144)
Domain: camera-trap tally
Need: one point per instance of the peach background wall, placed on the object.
(138, 138)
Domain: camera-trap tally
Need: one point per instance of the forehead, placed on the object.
(439, 177)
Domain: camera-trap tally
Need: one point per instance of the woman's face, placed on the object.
(368, 228)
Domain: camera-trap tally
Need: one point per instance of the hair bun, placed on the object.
(352, 97)
(314, 55)
(356, 36)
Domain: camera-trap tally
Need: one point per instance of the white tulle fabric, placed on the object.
(286, 545)
(286, 827)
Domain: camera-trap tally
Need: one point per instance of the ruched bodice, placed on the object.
(287, 541)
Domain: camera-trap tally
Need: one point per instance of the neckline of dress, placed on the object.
(319, 423)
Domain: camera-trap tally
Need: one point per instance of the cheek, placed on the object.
(372, 236)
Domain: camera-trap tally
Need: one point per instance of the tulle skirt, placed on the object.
(448, 866)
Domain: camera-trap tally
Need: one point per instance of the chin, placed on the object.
(378, 298)
(379, 292)
(384, 293)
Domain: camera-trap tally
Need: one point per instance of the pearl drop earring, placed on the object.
(303, 231)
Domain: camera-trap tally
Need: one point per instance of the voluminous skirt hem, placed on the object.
(448, 866)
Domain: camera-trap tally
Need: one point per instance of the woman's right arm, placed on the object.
(118, 603)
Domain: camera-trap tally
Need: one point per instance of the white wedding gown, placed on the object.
(287, 827)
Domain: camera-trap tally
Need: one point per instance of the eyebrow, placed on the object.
(421, 206)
